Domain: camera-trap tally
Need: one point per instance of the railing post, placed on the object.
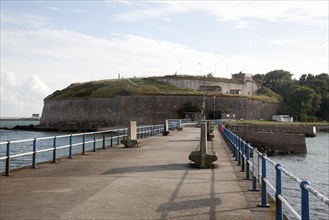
(243, 144)
(84, 144)
(305, 201)
(247, 162)
(70, 148)
(8, 158)
(264, 202)
(94, 144)
(104, 140)
(54, 150)
(278, 189)
(111, 138)
(254, 179)
(239, 151)
(118, 139)
(236, 148)
(34, 155)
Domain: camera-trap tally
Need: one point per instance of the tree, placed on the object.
(303, 102)
(271, 79)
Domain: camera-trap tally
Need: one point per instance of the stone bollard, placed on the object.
(201, 158)
(166, 128)
(131, 140)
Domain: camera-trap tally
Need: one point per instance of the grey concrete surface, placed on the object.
(156, 181)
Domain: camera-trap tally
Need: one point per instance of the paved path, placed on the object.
(156, 181)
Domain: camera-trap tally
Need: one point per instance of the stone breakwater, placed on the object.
(275, 139)
(99, 113)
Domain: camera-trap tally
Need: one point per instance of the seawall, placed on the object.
(98, 113)
(274, 139)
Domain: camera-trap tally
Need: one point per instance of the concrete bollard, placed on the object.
(131, 141)
(166, 128)
(201, 158)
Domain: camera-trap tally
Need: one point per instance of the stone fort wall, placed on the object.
(99, 113)
(247, 88)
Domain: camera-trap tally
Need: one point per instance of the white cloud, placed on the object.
(298, 43)
(80, 11)
(53, 8)
(302, 12)
(21, 97)
(27, 19)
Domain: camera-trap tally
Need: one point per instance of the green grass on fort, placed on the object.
(142, 86)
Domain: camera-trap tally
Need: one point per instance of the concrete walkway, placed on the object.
(156, 181)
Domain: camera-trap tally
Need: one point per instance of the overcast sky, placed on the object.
(47, 45)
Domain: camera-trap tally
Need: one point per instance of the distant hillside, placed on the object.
(145, 86)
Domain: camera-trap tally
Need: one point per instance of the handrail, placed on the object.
(112, 135)
(240, 149)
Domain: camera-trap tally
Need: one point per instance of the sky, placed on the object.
(47, 45)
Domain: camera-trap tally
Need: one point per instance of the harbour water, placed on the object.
(313, 166)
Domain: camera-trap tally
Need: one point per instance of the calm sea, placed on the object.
(313, 166)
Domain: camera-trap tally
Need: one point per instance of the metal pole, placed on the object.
(243, 144)
(104, 140)
(305, 201)
(94, 147)
(54, 151)
(247, 162)
(264, 202)
(254, 179)
(8, 159)
(34, 155)
(278, 189)
(70, 148)
(84, 144)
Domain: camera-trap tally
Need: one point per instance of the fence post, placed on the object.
(118, 137)
(247, 162)
(278, 189)
(243, 144)
(70, 148)
(54, 151)
(239, 151)
(104, 140)
(8, 159)
(305, 201)
(111, 138)
(34, 155)
(84, 144)
(254, 179)
(264, 202)
(94, 144)
(235, 147)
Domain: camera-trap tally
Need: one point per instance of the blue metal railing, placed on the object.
(89, 141)
(257, 166)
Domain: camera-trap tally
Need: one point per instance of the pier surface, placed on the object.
(156, 181)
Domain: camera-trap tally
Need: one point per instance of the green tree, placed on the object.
(274, 78)
(303, 102)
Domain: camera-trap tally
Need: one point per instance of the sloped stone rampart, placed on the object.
(99, 113)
